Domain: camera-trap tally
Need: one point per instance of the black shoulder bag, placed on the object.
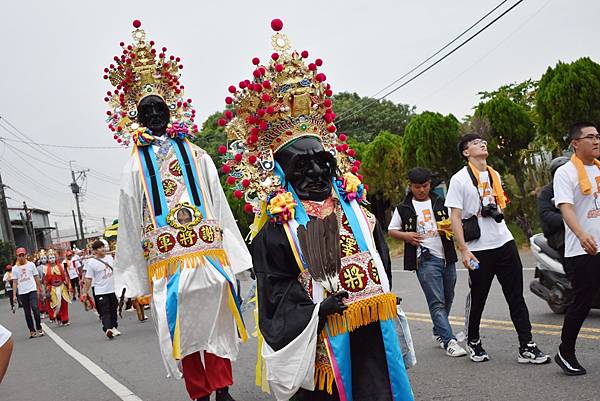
(471, 230)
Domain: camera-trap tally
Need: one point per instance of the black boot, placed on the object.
(223, 395)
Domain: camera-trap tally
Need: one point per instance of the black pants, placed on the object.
(9, 294)
(30, 303)
(75, 286)
(106, 304)
(584, 273)
(504, 263)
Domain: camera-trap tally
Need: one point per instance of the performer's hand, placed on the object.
(333, 304)
(83, 297)
(14, 298)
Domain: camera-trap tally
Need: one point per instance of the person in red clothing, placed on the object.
(58, 291)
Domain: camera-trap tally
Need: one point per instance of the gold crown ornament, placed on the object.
(286, 99)
(140, 71)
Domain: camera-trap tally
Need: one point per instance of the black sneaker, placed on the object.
(532, 354)
(476, 351)
(569, 364)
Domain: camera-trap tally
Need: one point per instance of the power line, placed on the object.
(50, 145)
(22, 134)
(35, 168)
(38, 148)
(435, 63)
(444, 86)
(434, 54)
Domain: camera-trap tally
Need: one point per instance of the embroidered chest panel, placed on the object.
(187, 229)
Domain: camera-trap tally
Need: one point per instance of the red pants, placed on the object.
(63, 314)
(201, 381)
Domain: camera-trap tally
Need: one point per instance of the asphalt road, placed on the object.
(41, 370)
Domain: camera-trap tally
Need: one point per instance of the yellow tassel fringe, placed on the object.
(362, 313)
(324, 378)
(167, 267)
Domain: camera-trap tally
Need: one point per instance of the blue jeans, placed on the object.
(437, 280)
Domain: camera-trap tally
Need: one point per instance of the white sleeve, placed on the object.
(130, 271)
(396, 222)
(563, 187)
(233, 243)
(293, 366)
(4, 335)
(89, 269)
(454, 197)
(35, 270)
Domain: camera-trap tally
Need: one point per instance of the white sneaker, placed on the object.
(116, 332)
(438, 341)
(455, 350)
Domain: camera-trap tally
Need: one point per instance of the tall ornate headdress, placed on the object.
(139, 72)
(285, 100)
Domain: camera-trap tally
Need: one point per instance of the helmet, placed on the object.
(556, 163)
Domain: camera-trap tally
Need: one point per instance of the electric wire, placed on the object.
(434, 64)
(434, 54)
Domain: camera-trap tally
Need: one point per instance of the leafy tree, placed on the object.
(522, 93)
(212, 136)
(382, 169)
(430, 141)
(568, 93)
(364, 117)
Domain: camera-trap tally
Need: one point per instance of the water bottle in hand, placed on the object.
(474, 265)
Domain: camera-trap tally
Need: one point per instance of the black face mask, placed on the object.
(153, 114)
(308, 168)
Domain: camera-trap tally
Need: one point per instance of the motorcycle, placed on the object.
(550, 282)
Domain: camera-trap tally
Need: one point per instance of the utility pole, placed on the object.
(76, 190)
(5, 225)
(57, 232)
(30, 225)
(75, 225)
(104, 222)
(27, 233)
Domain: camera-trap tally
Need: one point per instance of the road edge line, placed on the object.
(110, 382)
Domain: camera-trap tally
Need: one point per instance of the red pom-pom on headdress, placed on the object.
(277, 25)
(137, 23)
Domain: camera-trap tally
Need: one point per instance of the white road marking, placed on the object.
(459, 270)
(113, 385)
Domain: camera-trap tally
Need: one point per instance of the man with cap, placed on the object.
(27, 282)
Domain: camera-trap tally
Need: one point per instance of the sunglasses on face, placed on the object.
(478, 142)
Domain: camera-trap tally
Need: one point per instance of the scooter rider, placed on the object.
(550, 218)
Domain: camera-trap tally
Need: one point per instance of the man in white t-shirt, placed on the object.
(577, 194)
(69, 265)
(27, 282)
(476, 199)
(99, 273)
(417, 222)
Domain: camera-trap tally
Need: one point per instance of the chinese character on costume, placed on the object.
(177, 238)
(327, 317)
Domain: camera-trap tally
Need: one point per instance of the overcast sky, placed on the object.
(51, 85)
